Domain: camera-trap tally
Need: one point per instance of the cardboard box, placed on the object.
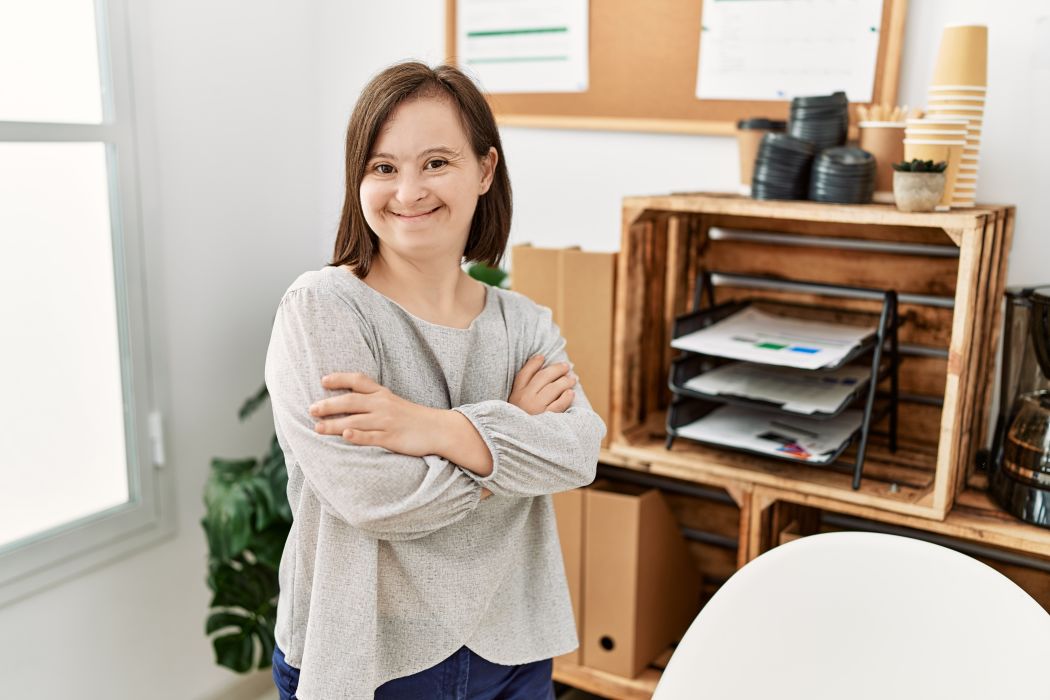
(579, 288)
(568, 509)
(641, 588)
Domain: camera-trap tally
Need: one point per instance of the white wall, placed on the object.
(244, 108)
(228, 103)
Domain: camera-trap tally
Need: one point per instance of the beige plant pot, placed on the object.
(917, 191)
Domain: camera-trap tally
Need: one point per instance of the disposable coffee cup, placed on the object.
(935, 133)
(953, 108)
(885, 141)
(962, 58)
(979, 90)
(948, 122)
(955, 99)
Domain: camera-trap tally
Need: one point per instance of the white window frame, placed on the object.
(37, 562)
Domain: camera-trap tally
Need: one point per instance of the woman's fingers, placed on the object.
(562, 403)
(527, 372)
(350, 402)
(554, 389)
(364, 437)
(548, 374)
(336, 426)
(354, 381)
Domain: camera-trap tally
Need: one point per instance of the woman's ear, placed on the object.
(488, 169)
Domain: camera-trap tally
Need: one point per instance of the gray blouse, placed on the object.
(394, 562)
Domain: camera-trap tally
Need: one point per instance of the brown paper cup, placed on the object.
(976, 90)
(963, 56)
(885, 141)
(947, 122)
(748, 141)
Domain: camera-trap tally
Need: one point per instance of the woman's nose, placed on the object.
(410, 188)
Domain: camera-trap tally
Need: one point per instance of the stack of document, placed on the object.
(794, 390)
(767, 432)
(757, 336)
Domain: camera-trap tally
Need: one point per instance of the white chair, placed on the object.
(851, 615)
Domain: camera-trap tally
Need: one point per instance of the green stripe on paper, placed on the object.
(508, 32)
(517, 59)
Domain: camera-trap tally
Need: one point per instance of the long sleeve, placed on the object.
(385, 494)
(546, 453)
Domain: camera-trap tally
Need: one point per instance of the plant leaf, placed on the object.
(251, 405)
(228, 511)
(222, 620)
(268, 545)
(234, 651)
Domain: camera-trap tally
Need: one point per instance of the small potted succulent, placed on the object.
(918, 185)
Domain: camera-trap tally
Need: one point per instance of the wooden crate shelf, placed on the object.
(949, 268)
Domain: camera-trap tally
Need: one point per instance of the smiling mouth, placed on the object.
(416, 216)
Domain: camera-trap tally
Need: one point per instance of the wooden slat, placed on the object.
(908, 274)
(974, 518)
(924, 235)
(694, 462)
(627, 332)
(952, 417)
(972, 435)
(866, 214)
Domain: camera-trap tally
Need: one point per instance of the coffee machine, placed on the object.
(1019, 467)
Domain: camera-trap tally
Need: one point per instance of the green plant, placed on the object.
(246, 521)
(489, 275)
(920, 166)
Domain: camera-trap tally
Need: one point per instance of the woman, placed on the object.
(425, 419)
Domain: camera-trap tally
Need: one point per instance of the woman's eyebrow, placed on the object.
(440, 150)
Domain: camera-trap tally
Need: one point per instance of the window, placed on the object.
(80, 468)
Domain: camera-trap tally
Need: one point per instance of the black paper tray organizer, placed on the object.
(690, 365)
(878, 352)
(685, 410)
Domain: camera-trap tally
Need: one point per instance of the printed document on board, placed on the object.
(524, 46)
(779, 49)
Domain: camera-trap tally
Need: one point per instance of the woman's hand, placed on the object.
(371, 414)
(548, 389)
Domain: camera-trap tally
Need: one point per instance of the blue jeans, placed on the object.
(462, 676)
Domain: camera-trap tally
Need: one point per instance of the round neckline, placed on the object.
(376, 292)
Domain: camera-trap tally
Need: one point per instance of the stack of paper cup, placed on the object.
(958, 92)
(885, 141)
(938, 140)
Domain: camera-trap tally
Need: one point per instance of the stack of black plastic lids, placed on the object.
(843, 174)
(782, 167)
(823, 120)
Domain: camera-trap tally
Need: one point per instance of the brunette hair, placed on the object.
(355, 242)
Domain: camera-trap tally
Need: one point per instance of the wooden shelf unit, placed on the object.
(928, 484)
(948, 268)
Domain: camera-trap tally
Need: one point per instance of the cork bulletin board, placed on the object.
(643, 73)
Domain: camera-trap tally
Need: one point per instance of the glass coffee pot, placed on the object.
(1020, 457)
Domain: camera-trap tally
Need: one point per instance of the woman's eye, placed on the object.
(384, 168)
(436, 164)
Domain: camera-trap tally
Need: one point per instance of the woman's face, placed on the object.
(422, 181)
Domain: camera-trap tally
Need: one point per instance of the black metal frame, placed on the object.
(687, 405)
